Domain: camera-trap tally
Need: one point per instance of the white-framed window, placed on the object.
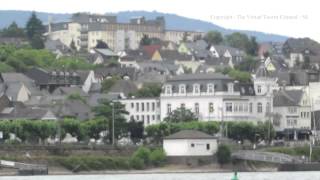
(196, 89)
(250, 107)
(259, 89)
(168, 108)
(210, 88)
(291, 122)
(153, 106)
(228, 107)
(230, 87)
(182, 105)
(168, 89)
(211, 108)
(259, 107)
(137, 107)
(196, 108)
(182, 88)
(292, 110)
(148, 107)
(268, 107)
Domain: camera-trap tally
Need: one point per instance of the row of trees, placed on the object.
(237, 40)
(239, 131)
(33, 31)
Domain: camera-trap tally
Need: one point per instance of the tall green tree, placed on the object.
(223, 154)
(213, 37)
(105, 110)
(34, 31)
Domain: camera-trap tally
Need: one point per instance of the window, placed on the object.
(153, 106)
(153, 117)
(148, 107)
(259, 89)
(250, 107)
(192, 145)
(211, 108)
(210, 89)
(228, 107)
(208, 146)
(230, 87)
(142, 107)
(196, 108)
(137, 118)
(148, 119)
(168, 89)
(196, 89)
(259, 108)
(132, 105)
(292, 109)
(182, 89)
(291, 122)
(168, 108)
(268, 108)
(235, 107)
(137, 107)
(241, 107)
(142, 118)
(183, 105)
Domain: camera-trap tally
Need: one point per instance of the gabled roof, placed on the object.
(66, 91)
(189, 134)
(287, 98)
(172, 55)
(15, 77)
(106, 52)
(123, 86)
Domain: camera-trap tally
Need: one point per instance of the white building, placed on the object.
(215, 97)
(145, 110)
(190, 143)
(293, 110)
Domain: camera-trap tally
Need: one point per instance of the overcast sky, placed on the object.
(297, 18)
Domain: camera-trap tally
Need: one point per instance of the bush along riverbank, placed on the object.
(141, 159)
(298, 151)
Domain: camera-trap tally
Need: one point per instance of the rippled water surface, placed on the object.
(181, 176)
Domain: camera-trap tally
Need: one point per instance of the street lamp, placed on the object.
(112, 104)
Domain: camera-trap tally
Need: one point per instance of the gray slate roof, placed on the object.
(189, 134)
(287, 98)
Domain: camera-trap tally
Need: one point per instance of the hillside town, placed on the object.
(94, 80)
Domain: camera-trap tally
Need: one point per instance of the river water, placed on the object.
(180, 176)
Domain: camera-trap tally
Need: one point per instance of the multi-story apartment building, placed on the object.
(86, 29)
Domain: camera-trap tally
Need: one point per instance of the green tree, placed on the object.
(181, 115)
(136, 130)
(213, 37)
(94, 127)
(145, 40)
(104, 111)
(148, 90)
(108, 83)
(13, 31)
(248, 64)
(223, 154)
(77, 96)
(34, 31)
(243, 42)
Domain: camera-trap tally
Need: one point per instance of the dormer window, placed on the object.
(259, 89)
(182, 88)
(168, 89)
(196, 88)
(210, 89)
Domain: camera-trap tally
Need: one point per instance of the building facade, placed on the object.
(86, 29)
